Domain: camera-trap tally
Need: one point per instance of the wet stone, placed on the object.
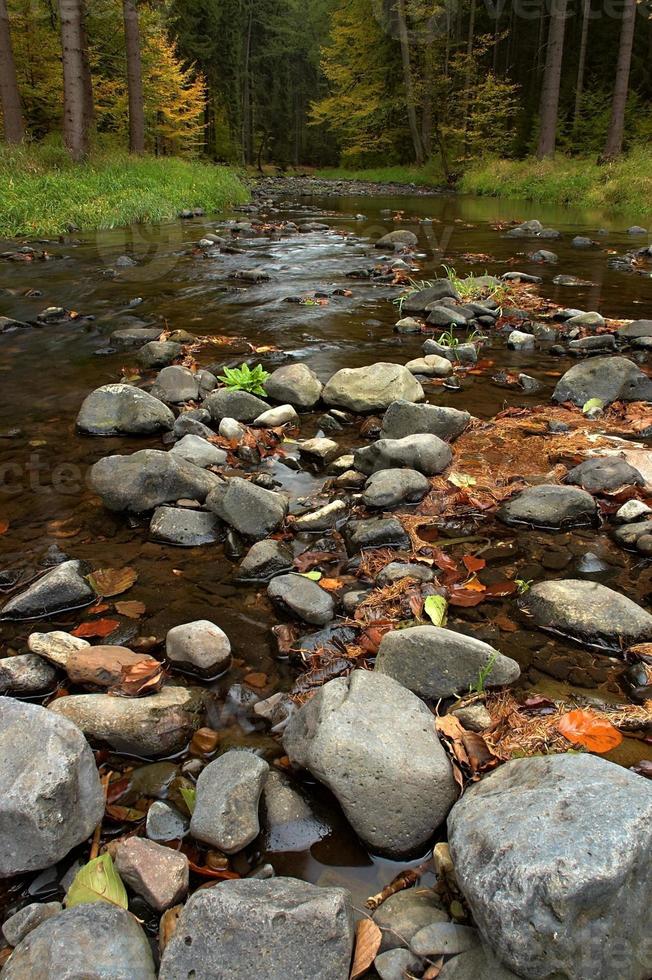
(26, 674)
(402, 915)
(249, 509)
(118, 409)
(375, 533)
(427, 454)
(199, 451)
(302, 598)
(239, 405)
(608, 378)
(372, 388)
(604, 474)
(228, 793)
(550, 506)
(264, 560)
(396, 964)
(164, 822)
(185, 528)
(388, 488)
(405, 419)
(397, 570)
(64, 587)
(296, 384)
(479, 963)
(200, 646)
(159, 354)
(27, 919)
(145, 479)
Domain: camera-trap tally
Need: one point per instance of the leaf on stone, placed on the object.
(436, 607)
(139, 679)
(475, 585)
(167, 926)
(189, 798)
(97, 881)
(591, 404)
(95, 627)
(112, 581)
(130, 608)
(314, 576)
(368, 938)
(331, 584)
(585, 728)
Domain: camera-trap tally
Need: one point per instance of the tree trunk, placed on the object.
(89, 102)
(551, 78)
(12, 113)
(614, 145)
(75, 129)
(134, 78)
(468, 76)
(409, 86)
(579, 85)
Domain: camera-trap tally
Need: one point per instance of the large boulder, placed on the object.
(185, 527)
(424, 453)
(610, 379)
(199, 451)
(360, 736)
(421, 300)
(604, 474)
(549, 505)
(148, 478)
(201, 646)
(159, 353)
(407, 419)
(280, 929)
(636, 329)
(64, 587)
(121, 409)
(295, 384)
(228, 794)
(239, 405)
(553, 856)
(589, 612)
(302, 598)
(373, 388)
(438, 663)
(176, 384)
(249, 509)
(50, 793)
(388, 488)
(160, 724)
(96, 941)
(400, 237)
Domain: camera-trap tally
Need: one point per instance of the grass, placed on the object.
(624, 186)
(429, 176)
(43, 194)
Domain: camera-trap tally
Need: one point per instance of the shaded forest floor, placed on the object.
(43, 193)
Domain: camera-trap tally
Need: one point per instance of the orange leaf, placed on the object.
(331, 584)
(585, 728)
(473, 564)
(367, 943)
(97, 627)
(4, 527)
(131, 609)
(474, 585)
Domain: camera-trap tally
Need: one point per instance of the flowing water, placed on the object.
(47, 372)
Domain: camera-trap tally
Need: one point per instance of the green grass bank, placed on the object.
(429, 176)
(42, 193)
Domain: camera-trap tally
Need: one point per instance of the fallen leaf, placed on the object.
(189, 798)
(435, 607)
(462, 480)
(473, 564)
(475, 585)
(308, 560)
(97, 881)
(504, 623)
(462, 597)
(131, 609)
(96, 627)
(257, 679)
(139, 679)
(112, 581)
(368, 938)
(331, 584)
(4, 527)
(594, 733)
(167, 926)
(124, 814)
(314, 576)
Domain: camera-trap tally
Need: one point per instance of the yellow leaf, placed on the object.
(367, 943)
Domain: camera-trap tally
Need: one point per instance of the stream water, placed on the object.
(47, 372)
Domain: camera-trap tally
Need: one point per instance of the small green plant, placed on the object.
(448, 339)
(483, 674)
(524, 585)
(416, 285)
(245, 378)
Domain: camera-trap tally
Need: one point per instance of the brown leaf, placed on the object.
(112, 581)
(4, 527)
(587, 729)
(124, 814)
(204, 741)
(331, 584)
(96, 627)
(310, 559)
(168, 925)
(139, 679)
(257, 680)
(131, 609)
(368, 938)
(473, 564)
(504, 623)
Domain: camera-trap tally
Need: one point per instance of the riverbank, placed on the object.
(43, 194)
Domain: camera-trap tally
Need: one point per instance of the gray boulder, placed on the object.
(421, 300)
(302, 598)
(274, 417)
(249, 509)
(396, 570)
(282, 928)
(399, 237)
(160, 724)
(148, 478)
(50, 793)
(135, 336)
(239, 405)
(402, 915)
(64, 587)
(552, 854)
(446, 316)
(360, 735)
(444, 939)
(184, 527)
(295, 384)
(96, 941)
(376, 532)
(199, 451)
(549, 505)
(427, 454)
(228, 794)
(608, 378)
(159, 353)
(164, 822)
(189, 424)
(18, 925)
(176, 384)
(264, 560)
(636, 329)
(388, 488)
(372, 388)
(587, 611)
(434, 662)
(397, 964)
(479, 963)
(26, 674)
(121, 409)
(604, 474)
(200, 646)
(406, 419)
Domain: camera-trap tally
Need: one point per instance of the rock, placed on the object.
(295, 384)
(549, 506)
(407, 324)
(525, 229)
(96, 941)
(603, 342)
(637, 230)
(200, 646)
(232, 430)
(397, 570)
(608, 378)
(281, 415)
(238, 405)
(462, 354)
(164, 822)
(587, 611)
(303, 598)
(323, 519)
(444, 939)
(437, 663)
(349, 738)
(158, 354)
(320, 451)
(289, 822)
(188, 425)
(473, 717)
(446, 316)
(26, 675)
(249, 509)
(375, 532)
(629, 534)
(51, 798)
(402, 915)
(394, 238)
(145, 479)
(185, 528)
(431, 365)
(427, 454)
(176, 384)
(228, 793)
(479, 963)
(552, 854)
(545, 256)
(372, 388)
(63, 588)
(633, 510)
(421, 300)
(135, 336)
(121, 409)
(636, 329)
(590, 320)
(160, 724)
(388, 488)
(406, 419)
(158, 874)
(18, 925)
(264, 560)
(520, 276)
(518, 340)
(396, 964)
(199, 451)
(57, 646)
(283, 927)
(605, 473)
